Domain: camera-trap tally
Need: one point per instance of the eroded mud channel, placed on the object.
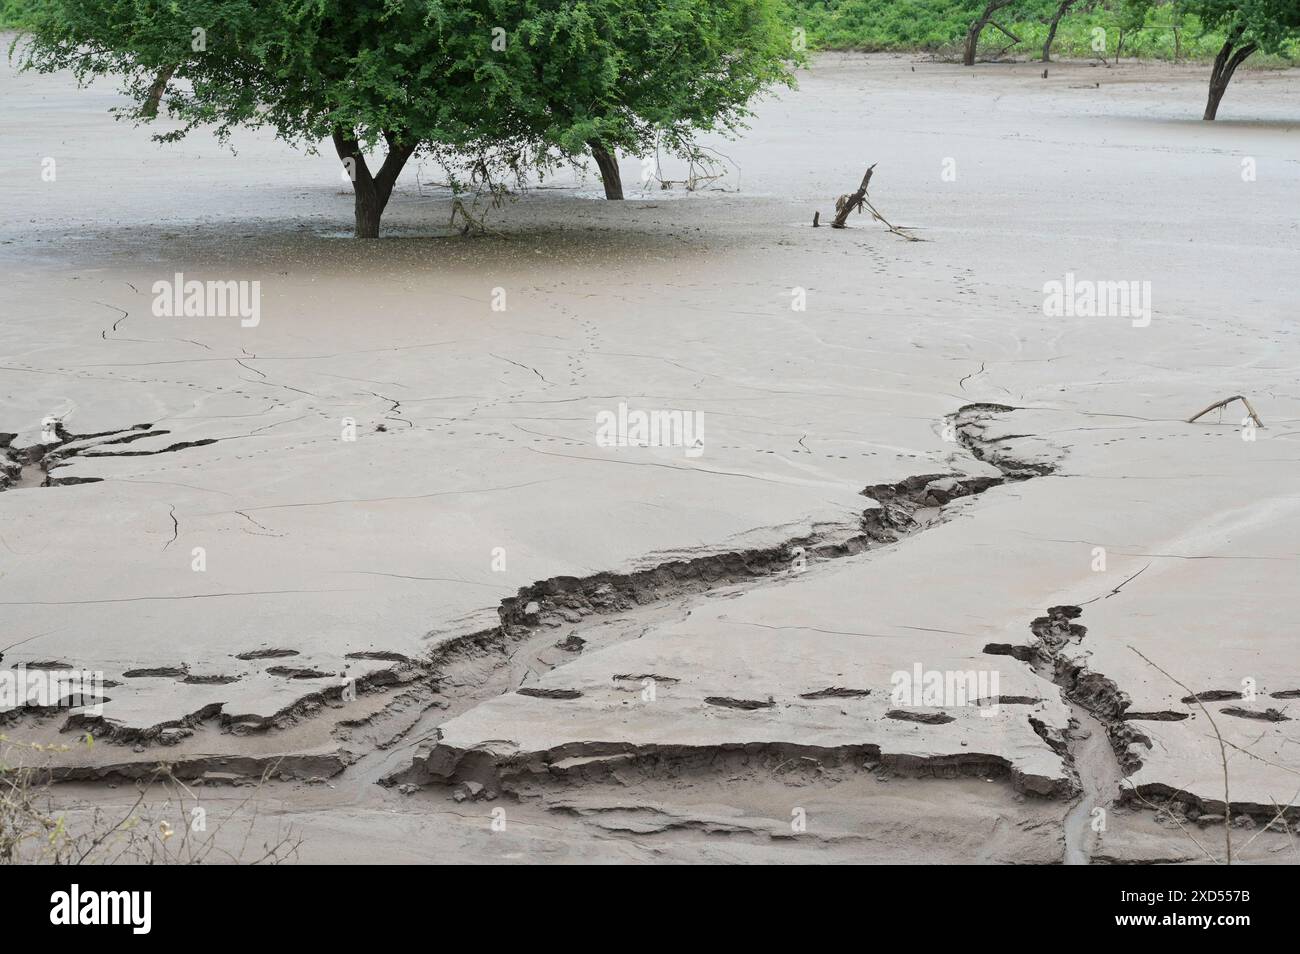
(399, 739)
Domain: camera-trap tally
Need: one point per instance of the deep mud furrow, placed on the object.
(464, 672)
(904, 508)
(1094, 745)
(582, 763)
(1104, 745)
(468, 670)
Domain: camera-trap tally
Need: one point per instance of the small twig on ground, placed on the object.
(1228, 400)
(893, 228)
(471, 221)
(701, 169)
(1223, 752)
(1174, 818)
(155, 829)
(1279, 814)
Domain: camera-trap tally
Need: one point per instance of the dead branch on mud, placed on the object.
(1228, 400)
(702, 169)
(474, 216)
(846, 205)
(1170, 810)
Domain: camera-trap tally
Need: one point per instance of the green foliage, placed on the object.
(1153, 29)
(626, 72)
(302, 67)
(1272, 25)
(1159, 33)
(427, 71)
(13, 13)
(884, 24)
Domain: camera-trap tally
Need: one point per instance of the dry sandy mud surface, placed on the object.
(470, 630)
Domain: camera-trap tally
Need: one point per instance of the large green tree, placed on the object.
(512, 80)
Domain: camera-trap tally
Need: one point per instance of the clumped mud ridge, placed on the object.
(1099, 749)
(903, 508)
(1099, 695)
(1104, 746)
(464, 672)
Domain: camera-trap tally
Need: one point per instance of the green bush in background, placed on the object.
(11, 13)
(939, 26)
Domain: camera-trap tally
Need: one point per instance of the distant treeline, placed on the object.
(11, 13)
(940, 26)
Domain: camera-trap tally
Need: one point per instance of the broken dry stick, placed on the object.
(1228, 400)
(845, 205)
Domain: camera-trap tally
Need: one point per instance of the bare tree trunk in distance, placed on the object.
(976, 28)
(1061, 11)
(1225, 64)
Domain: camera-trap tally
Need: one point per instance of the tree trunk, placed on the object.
(368, 209)
(976, 28)
(608, 166)
(371, 192)
(1225, 64)
(972, 39)
(1061, 11)
(151, 103)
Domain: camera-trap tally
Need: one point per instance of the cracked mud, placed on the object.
(371, 549)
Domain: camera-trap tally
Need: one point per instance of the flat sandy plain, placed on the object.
(475, 634)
